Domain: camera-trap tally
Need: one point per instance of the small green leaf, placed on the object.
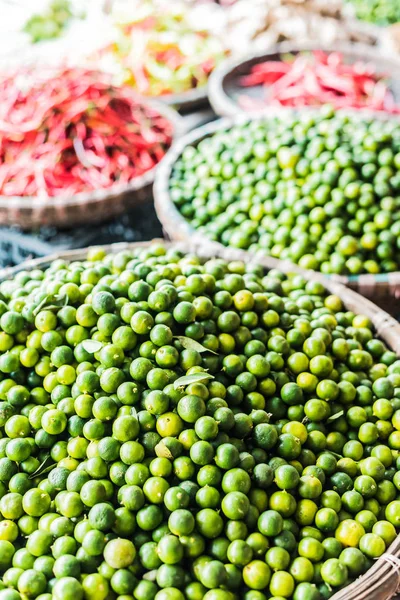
(44, 467)
(190, 344)
(43, 463)
(193, 378)
(92, 346)
(52, 307)
(51, 302)
(339, 456)
(150, 575)
(41, 304)
(336, 415)
(47, 469)
(162, 451)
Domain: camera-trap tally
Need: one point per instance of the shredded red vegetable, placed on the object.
(71, 131)
(319, 78)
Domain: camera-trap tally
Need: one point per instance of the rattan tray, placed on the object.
(86, 207)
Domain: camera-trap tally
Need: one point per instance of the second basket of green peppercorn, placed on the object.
(178, 425)
(317, 188)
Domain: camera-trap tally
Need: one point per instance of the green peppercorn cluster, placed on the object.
(320, 189)
(174, 429)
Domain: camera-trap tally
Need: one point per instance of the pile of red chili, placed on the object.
(70, 131)
(319, 78)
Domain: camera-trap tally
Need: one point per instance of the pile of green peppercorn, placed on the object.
(317, 188)
(174, 429)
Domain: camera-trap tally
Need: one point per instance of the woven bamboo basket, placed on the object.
(225, 89)
(383, 288)
(381, 582)
(91, 207)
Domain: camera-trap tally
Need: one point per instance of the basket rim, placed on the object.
(382, 570)
(11, 204)
(185, 100)
(204, 247)
(225, 105)
(178, 228)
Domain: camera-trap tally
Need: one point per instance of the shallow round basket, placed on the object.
(224, 84)
(86, 207)
(382, 580)
(382, 288)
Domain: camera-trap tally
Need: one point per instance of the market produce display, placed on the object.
(176, 430)
(316, 78)
(318, 188)
(270, 22)
(163, 49)
(70, 131)
(381, 12)
(51, 23)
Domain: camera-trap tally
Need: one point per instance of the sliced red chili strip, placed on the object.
(71, 131)
(316, 79)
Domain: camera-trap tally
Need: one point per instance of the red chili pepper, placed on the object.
(317, 79)
(70, 131)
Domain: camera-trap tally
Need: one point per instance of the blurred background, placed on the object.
(162, 50)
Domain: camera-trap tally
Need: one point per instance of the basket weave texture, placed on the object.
(91, 207)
